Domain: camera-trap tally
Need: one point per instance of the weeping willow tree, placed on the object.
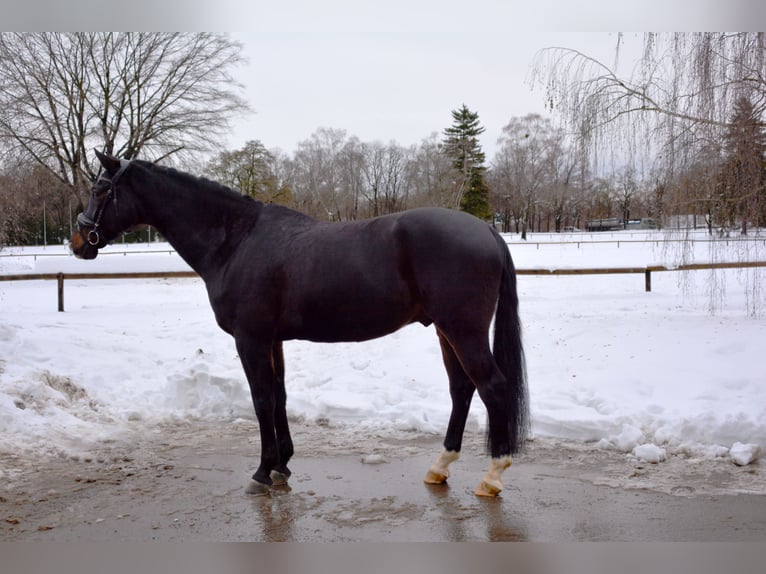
(675, 113)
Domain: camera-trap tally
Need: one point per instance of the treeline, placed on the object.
(537, 181)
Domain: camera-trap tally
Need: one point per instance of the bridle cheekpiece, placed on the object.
(92, 222)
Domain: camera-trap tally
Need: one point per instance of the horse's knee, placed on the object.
(286, 449)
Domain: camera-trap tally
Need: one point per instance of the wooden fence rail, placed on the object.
(59, 277)
(646, 271)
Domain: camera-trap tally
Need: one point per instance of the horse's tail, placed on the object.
(509, 352)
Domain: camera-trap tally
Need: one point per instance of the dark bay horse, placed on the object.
(274, 274)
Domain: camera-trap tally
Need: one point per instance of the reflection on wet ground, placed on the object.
(175, 488)
(385, 502)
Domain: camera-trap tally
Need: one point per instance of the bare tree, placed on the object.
(253, 171)
(375, 175)
(148, 94)
(396, 193)
(34, 209)
(625, 192)
(564, 198)
(351, 163)
(526, 164)
(693, 196)
(431, 175)
(386, 177)
(317, 173)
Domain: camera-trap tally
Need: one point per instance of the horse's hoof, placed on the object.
(256, 488)
(433, 477)
(489, 488)
(279, 478)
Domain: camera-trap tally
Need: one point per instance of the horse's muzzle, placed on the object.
(81, 247)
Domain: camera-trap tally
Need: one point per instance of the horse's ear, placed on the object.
(111, 164)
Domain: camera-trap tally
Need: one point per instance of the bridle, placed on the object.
(92, 222)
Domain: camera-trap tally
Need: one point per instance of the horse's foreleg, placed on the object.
(281, 473)
(258, 363)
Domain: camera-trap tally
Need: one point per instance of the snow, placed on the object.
(647, 374)
(744, 454)
(650, 453)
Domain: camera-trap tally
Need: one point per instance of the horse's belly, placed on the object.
(349, 319)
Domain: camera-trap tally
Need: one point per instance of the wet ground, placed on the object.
(186, 482)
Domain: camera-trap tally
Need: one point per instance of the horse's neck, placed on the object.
(198, 226)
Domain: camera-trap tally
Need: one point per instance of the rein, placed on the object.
(93, 222)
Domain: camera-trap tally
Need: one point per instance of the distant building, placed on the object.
(604, 224)
(686, 221)
(642, 223)
(617, 224)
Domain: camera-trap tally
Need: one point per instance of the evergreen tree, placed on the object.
(743, 177)
(461, 145)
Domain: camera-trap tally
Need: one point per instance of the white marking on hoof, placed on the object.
(487, 488)
(256, 488)
(492, 484)
(436, 477)
(279, 478)
(439, 473)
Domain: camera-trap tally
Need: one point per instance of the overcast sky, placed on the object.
(395, 69)
(393, 85)
(390, 69)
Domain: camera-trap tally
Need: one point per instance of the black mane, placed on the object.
(200, 183)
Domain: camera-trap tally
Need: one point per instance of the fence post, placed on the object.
(60, 279)
(648, 280)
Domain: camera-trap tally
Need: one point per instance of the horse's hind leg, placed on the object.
(479, 365)
(493, 390)
(281, 473)
(461, 392)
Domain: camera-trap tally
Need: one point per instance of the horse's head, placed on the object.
(101, 221)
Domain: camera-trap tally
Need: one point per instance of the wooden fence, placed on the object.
(646, 271)
(59, 277)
